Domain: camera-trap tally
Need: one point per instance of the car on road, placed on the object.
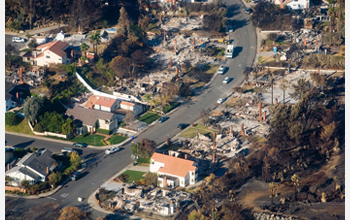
(227, 80)
(82, 145)
(66, 150)
(221, 100)
(248, 10)
(221, 70)
(18, 40)
(162, 119)
(111, 150)
(255, 1)
(230, 29)
(182, 126)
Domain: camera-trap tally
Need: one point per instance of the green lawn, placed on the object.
(90, 139)
(116, 139)
(149, 117)
(193, 131)
(133, 175)
(219, 52)
(170, 107)
(22, 127)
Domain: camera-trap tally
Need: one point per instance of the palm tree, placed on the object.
(283, 86)
(162, 100)
(84, 47)
(295, 179)
(273, 189)
(95, 39)
(147, 98)
(332, 13)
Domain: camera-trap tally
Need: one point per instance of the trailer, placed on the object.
(229, 51)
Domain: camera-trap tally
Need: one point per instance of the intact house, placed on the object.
(53, 52)
(102, 103)
(173, 171)
(14, 94)
(88, 120)
(294, 4)
(34, 167)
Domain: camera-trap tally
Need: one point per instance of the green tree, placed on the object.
(54, 178)
(95, 39)
(68, 127)
(196, 215)
(32, 108)
(84, 47)
(32, 44)
(11, 118)
(75, 158)
(147, 98)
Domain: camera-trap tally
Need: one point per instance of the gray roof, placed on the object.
(88, 116)
(24, 171)
(8, 87)
(38, 162)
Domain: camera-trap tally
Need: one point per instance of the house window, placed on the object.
(192, 173)
(182, 182)
(48, 57)
(59, 59)
(152, 162)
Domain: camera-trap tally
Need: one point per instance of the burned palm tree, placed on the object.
(295, 179)
(273, 189)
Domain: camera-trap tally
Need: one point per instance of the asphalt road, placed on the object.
(8, 40)
(106, 166)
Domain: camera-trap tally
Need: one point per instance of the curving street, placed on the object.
(102, 167)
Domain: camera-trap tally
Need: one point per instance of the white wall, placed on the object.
(18, 177)
(126, 107)
(154, 166)
(298, 4)
(53, 58)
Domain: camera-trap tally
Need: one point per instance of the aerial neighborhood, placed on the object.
(175, 109)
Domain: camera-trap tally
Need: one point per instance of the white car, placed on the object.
(111, 150)
(221, 100)
(221, 70)
(18, 40)
(226, 80)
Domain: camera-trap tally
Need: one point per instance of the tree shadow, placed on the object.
(24, 145)
(233, 10)
(239, 24)
(237, 51)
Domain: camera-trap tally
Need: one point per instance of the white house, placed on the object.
(34, 167)
(173, 171)
(60, 36)
(43, 55)
(294, 4)
(131, 107)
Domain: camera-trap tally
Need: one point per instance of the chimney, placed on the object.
(264, 116)
(316, 43)
(242, 129)
(72, 55)
(175, 46)
(170, 63)
(213, 162)
(260, 111)
(165, 183)
(47, 170)
(281, 1)
(164, 37)
(276, 101)
(214, 141)
(17, 96)
(231, 132)
(318, 70)
(185, 156)
(121, 83)
(20, 75)
(304, 41)
(8, 166)
(160, 19)
(193, 44)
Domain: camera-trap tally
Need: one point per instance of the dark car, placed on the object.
(248, 10)
(80, 145)
(162, 119)
(182, 126)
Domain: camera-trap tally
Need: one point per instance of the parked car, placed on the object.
(18, 40)
(221, 70)
(82, 145)
(162, 119)
(255, 1)
(248, 10)
(111, 150)
(227, 80)
(221, 100)
(182, 126)
(75, 176)
(67, 150)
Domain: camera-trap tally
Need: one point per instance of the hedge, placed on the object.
(104, 131)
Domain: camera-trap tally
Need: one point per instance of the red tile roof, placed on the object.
(105, 101)
(174, 165)
(127, 103)
(91, 101)
(55, 47)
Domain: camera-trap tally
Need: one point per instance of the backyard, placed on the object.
(149, 117)
(191, 132)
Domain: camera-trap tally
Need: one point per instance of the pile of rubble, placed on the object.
(32, 78)
(178, 23)
(149, 199)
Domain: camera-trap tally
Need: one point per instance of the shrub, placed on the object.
(122, 124)
(12, 118)
(104, 131)
(103, 142)
(272, 36)
(38, 128)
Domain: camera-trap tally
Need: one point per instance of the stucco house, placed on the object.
(102, 103)
(53, 52)
(88, 120)
(173, 171)
(34, 167)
